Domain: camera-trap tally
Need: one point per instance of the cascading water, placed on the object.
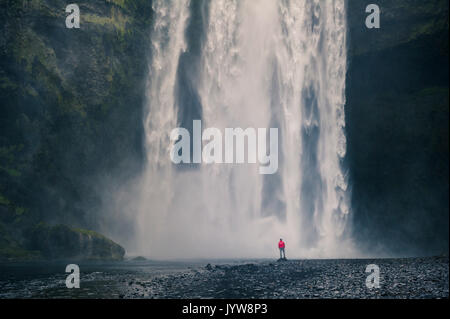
(261, 64)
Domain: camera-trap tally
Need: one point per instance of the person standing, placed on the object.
(281, 246)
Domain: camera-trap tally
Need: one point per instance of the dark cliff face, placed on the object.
(71, 117)
(62, 242)
(397, 127)
(71, 102)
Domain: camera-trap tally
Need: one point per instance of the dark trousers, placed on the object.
(282, 253)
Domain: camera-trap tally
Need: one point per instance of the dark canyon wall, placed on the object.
(397, 126)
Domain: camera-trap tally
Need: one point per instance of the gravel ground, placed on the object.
(399, 278)
(333, 278)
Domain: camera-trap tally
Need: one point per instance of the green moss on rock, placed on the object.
(64, 242)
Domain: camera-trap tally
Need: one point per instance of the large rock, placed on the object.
(63, 242)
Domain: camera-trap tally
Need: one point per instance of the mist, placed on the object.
(256, 65)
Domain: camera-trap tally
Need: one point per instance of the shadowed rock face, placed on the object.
(70, 116)
(397, 115)
(63, 242)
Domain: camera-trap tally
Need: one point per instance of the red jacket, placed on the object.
(281, 244)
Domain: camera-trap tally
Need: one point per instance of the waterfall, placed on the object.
(260, 64)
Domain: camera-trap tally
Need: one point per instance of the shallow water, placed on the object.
(97, 279)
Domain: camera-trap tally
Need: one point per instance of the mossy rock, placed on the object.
(11, 249)
(63, 242)
(13, 253)
(139, 258)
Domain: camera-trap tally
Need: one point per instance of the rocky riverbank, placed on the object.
(412, 278)
(399, 278)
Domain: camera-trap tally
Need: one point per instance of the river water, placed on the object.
(97, 279)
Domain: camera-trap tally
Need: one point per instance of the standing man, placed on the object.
(281, 246)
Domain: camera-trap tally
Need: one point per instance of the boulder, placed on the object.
(64, 242)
